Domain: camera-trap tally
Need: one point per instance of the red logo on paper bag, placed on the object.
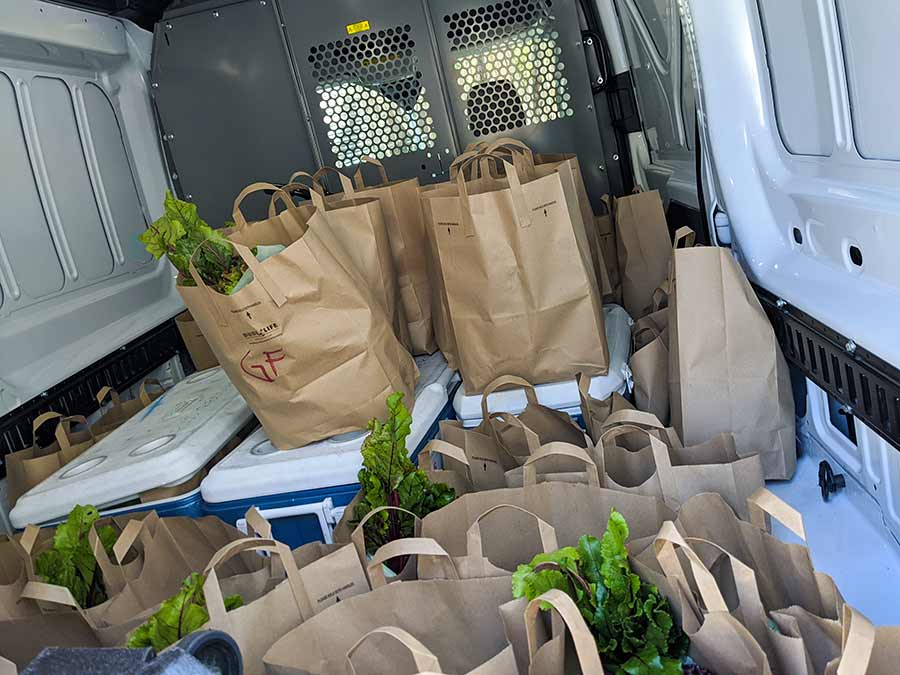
(266, 371)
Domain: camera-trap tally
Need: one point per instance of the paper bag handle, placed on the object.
(857, 643)
(64, 429)
(664, 546)
(513, 144)
(40, 591)
(29, 537)
(685, 237)
(286, 191)
(521, 212)
(102, 394)
(475, 544)
(314, 183)
(408, 546)
(43, 418)
(439, 447)
(633, 417)
(531, 439)
(143, 395)
(422, 657)
(585, 645)
(358, 176)
(239, 220)
(358, 536)
(215, 602)
(507, 380)
(560, 449)
(257, 524)
(24, 555)
(134, 528)
(653, 330)
(763, 502)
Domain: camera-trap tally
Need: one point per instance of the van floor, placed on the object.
(847, 538)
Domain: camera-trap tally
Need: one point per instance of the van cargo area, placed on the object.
(337, 336)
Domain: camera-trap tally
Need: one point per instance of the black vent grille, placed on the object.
(849, 373)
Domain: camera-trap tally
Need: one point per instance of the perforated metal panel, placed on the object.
(510, 74)
(368, 71)
(517, 68)
(371, 95)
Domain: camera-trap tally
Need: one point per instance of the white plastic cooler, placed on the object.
(301, 491)
(163, 445)
(562, 395)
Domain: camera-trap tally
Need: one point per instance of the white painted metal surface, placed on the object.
(163, 445)
(562, 395)
(256, 468)
(835, 201)
(81, 176)
(847, 538)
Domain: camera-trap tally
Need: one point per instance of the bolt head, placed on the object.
(850, 347)
(590, 107)
(168, 26)
(174, 176)
(780, 303)
(189, 196)
(215, 14)
(155, 85)
(615, 158)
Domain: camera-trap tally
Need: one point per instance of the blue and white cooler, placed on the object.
(164, 446)
(562, 395)
(302, 492)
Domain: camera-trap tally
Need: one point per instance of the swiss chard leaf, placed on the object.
(178, 616)
(389, 478)
(631, 620)
(70, 562)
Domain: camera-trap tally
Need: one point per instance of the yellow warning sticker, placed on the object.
(357, 27)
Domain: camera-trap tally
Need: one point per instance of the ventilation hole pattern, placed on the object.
(508, 66)
(371, 95)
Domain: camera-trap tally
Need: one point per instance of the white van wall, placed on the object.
(81, 176)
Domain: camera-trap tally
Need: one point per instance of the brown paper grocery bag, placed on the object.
(292, 339)
(784, 572)
(22, 639)
(550, 656)
(488, 462)
(594, 411)
(492, 558)
(262, 618)
(719, 640)
(117, 412)
(726, 369)
(606, 230)
(523, 316)
(198, 348)
(555, 462)
(547, 424)
(644, 248)
(15, 564)
(26, 468)
(454, 471)
(658, 324)
(405, 225)
(865, 649)
(358, 224)
(649, 366)
(572, 509)
(442, 614)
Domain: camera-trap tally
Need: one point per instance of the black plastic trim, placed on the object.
(75, 395)
(856, 377)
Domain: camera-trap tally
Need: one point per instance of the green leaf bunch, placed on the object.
(630, 619)
(389, 478)
(70, 562)
(179, 233)
(181, 614)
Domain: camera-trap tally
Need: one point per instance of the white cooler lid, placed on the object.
(562, 395)
(163, 445)
(257, 468)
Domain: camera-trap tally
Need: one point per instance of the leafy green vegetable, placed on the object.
(179, 232)
(71, 562)
(178, 616)
(389, 478)
(630, 619)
